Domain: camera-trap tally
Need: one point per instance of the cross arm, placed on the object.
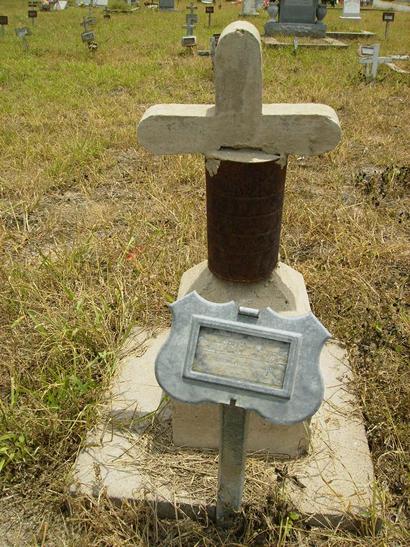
(302, 129)
(176, 128)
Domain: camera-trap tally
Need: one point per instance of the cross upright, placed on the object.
(246, 144)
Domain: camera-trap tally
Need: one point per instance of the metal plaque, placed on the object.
(262, 360)
(209, 9)
(32, 13)
(87, 36)
(188, 41)
(388, 16)
(366, 50)
(4, 20)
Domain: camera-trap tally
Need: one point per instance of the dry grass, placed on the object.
(96, 233)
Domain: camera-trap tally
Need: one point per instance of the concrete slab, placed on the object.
(332, 486)
(135, 392)
(346, 35)
(318, 43)
(284, 291)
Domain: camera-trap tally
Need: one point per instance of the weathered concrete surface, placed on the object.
(332, 486)
(285, 291)
(317, 43)
(239, 120)
(315, 30)
(135, 392)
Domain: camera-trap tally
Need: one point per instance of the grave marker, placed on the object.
(351, 9)
(4, 21)
(22, 33)
(32, 14)
(245, 144)
(88, 35)
(370, 58)
(209, 10)
(248, 8)
(167, 5)
(242, 359)
(191, 18)
(388, 17)
(296, 17)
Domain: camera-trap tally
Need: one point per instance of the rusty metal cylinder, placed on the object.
(244, 214)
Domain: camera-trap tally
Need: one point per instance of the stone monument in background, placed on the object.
(296, 18)
(351, 9)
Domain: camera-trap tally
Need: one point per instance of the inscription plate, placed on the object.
(298, 11)
(241, 357)
(87, 36)
(4, 20)
(388, 16)
(263, 361)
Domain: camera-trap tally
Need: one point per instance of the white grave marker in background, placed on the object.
(351, 9)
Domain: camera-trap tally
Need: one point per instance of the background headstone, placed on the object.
(248, 8)
(351, 9)
(298, 18)
(167, 5)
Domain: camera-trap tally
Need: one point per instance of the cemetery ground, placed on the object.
(96, 233)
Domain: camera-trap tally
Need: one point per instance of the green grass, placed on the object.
(96, 234)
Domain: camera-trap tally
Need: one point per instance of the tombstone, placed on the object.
(167, 5)
(351, 9)
(245, 145)
(297, 18)
(191, 20)
(249, 8)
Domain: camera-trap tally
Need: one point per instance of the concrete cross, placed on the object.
(239, 120)
(246, 144)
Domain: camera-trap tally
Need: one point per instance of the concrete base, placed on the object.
(284, 291)
(330, 487)
(316, 43)
(315, 30)
(198, 426)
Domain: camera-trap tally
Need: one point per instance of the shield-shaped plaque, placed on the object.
(262, 360)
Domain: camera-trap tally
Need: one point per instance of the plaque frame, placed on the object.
(299, 399)
(291, 338)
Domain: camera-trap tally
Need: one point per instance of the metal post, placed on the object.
(232, 457)
(244, 213)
